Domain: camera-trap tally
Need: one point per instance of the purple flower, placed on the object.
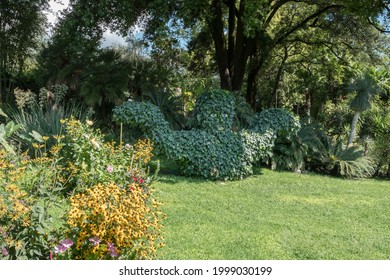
(59, 249)
(112, 250)
(94, 240)
(4, 251)
(67, 243)
(110, 169)
(63, 246)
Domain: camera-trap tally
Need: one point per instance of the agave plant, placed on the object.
(37, 122)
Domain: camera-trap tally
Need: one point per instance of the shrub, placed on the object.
(89, 160)
(108, 221)
(42, 115)
(210, 150)
(99, 174)
(377, 127)
(331, 156)
(336, 118)
(288, 151)
(279, 120)
(214, 111)
(29, 194)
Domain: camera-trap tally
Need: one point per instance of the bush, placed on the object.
(279, 120)
(98, 174)
(122, 222)
(288, 152)
(28, 196)
(331, 156)
(88, 160)
(210, 150)
(214, 111)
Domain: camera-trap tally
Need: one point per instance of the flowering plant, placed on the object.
(95, 161)
(109, 222)
(29, 191)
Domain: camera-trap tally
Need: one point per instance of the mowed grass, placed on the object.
(275, 215)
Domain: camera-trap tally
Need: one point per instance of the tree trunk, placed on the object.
(308, 103)
(232, 54)
(388, 170)
(353, 128)
(251, 89)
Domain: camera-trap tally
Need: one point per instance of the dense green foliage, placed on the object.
(22, 27)
(214, 111)
(288, 151)
(275, 119)
(211, 150)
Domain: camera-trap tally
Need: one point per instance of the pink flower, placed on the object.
(110, 169)
(63, 246)
(112, 250)
(127, 146)
(94, 240)
(4, 251)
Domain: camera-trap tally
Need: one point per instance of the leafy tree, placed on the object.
(71, 50)
(241, 34)
(21, 29)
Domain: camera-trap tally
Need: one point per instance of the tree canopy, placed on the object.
(22, 25)
(243, 33)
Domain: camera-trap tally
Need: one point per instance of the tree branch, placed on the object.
(275, 8)
(306, 20)
(377, 27)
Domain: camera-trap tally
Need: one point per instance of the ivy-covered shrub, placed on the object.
(276, 119)
(210, 150)
(288, 152)
(214, 111)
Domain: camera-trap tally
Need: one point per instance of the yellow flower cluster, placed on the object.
(17, 210)
(113, 215)
(143, 150)
(3, 207)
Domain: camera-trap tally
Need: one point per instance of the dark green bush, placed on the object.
(288, 152)
(210, 150)
(214, 111)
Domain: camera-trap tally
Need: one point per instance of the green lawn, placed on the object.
(275, 215)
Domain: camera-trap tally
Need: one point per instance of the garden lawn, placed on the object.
(275, 215)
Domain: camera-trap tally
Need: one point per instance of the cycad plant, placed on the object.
(366, 87)
(171, 106)
(330, 155)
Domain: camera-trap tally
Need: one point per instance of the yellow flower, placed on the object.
(95, 144)
(89, 122)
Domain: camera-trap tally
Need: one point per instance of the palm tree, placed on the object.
(105, 83)
(366, 87)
